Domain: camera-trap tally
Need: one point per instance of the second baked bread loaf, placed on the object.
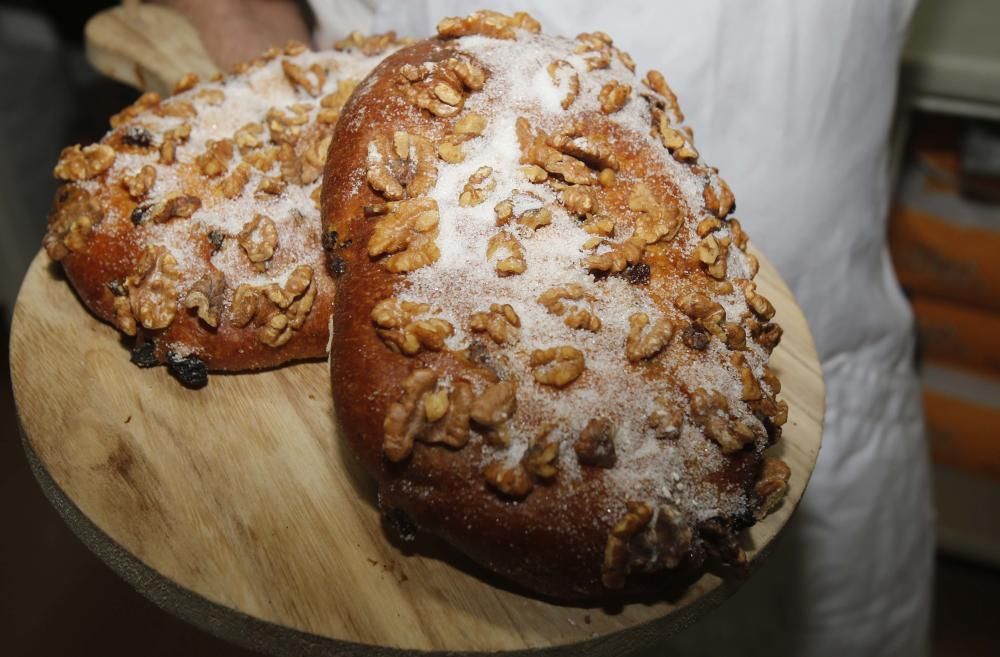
(193, 225)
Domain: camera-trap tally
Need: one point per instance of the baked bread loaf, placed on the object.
(547, 345)
(193, 225)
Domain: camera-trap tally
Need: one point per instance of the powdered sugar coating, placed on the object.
(248, 98)
(459, 283)
(246, 109)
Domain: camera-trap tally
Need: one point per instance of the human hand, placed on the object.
(233, 31)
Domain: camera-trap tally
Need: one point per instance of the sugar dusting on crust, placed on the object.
(463, 282)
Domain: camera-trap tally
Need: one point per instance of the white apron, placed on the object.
(793, 101)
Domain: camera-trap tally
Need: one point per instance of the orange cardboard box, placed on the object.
(941, 258)
(942, 244)
(961, 335)
(963, 419)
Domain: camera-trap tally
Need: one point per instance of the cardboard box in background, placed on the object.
(958, 335)
(963, 419)
(942, 244)
(946, 250)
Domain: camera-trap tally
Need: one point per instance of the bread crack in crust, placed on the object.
(597, 317)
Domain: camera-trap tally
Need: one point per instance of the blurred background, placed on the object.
(58, 599)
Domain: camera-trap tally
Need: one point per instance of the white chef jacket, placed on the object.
(793, 101)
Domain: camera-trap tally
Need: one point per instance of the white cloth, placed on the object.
(793, 101)
(337, 19)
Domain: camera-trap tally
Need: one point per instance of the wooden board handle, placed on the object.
(146, 46)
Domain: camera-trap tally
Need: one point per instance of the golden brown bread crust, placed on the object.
(157, 228)
(583, 414)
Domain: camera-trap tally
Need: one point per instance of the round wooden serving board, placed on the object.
(236, 507)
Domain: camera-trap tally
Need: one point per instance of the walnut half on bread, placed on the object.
(193, 225)
(600, 363)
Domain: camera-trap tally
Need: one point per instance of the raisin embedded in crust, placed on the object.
(216, 238)
(143, 354)
(189, 370)
(337, 266)
(637, 274)
(400, 525)
(117, 288)
(138, 214)
(137, 136)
